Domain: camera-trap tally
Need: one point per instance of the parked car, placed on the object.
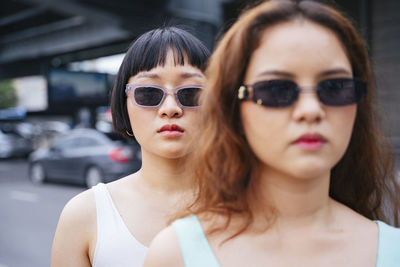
(84, 156)
(14, 145)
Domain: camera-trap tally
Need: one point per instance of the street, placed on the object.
(29, 215)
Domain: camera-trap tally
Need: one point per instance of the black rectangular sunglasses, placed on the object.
(152, 96)
(284, 93)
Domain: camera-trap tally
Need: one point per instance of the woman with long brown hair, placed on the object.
(291, 167)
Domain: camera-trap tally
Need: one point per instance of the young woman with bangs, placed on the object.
(155, 100)
(290, 165)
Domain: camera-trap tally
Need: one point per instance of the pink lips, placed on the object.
(171, 130)
(310, 141)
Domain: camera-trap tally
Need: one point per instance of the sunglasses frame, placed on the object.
(246, 92)
(131, 88)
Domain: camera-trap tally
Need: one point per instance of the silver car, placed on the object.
(84, 156)
(14, 145)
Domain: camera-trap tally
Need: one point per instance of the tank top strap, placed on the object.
(107, 214)
(115, 245)
(195, 249)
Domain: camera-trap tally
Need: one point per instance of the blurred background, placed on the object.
(58, 61)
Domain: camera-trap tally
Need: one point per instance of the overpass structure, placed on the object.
(36, 35)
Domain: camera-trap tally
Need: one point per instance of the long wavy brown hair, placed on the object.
(224, 164)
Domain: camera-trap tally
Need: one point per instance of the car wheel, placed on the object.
(93, 176)
(37, 174)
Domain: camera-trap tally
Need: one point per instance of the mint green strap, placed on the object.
(196, 250)
(388, 246)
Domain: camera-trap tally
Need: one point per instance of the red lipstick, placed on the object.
(171, 130)
(310, 141)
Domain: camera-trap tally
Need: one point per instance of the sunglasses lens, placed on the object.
(189, 97)
(148, 96)
(341, 92)
(275, 93)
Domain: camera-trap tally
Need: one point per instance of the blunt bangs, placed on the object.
(150, 50)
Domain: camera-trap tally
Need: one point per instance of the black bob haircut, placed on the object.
(149, 51)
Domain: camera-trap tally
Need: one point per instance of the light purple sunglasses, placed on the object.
(152, 96)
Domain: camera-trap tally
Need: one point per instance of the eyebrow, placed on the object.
(291, 75)
(191, 74)
(147, 75)
(184, 75)
(334, 71)
(277, 72)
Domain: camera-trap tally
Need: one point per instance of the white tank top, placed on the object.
(115, 246)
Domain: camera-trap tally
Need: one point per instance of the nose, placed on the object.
(170, 108)
(308, 108)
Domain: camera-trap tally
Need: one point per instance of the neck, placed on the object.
(163, 174)
(294, 200)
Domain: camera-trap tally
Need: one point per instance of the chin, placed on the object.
(173, 153)
(311, 172)
(313, 166)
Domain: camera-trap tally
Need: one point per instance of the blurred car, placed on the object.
(14, 145)
(52, 128)
(84, 156)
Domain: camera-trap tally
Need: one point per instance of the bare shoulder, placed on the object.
(354, 219)
(361, 230)
(164, 250)
(123, 187)
(75, 230)
(80, 210)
